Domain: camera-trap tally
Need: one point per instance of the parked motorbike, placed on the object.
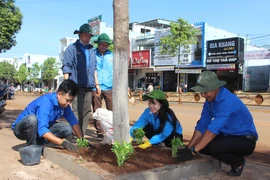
(4, 90)
(11, 92)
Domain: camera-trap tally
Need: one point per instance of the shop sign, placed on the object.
(188, 71)
(228, 50)
(221, 67)
(95, 24)
(249, 55)
(164, 68)
(141, 59)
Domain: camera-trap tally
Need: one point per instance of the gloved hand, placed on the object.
(183, 150)
(130, 139)
(185, 155)
(70, 147)
(145, 145)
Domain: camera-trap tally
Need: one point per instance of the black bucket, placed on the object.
(30, 155)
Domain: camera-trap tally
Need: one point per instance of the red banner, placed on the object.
(141, 58)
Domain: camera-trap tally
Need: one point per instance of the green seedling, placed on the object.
(138, 134)
(176, 142)
(122, 151)
(82, 143)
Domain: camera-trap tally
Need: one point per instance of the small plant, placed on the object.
(82, 143)
(176, 142)
(122, 151)
(138, 134)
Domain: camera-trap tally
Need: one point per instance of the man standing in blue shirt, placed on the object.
(79, 65)
(37, 123)
(105, 76)
(226, 130)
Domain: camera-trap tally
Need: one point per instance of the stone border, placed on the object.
(188, 169)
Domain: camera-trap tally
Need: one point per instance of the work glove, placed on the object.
(130, 139)
(182, 150)
(145, 145)
(70, 147)
(185, 155)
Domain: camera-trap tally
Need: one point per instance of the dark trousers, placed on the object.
(97, 100)
(26, 129)
(97, 103)
(81, 107)
(230, 149)
(149, 133)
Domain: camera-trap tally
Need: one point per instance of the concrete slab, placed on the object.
(198, 167)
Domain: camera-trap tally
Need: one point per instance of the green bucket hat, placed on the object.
(85, 28)
(207, 81)
(156, 94)
(103, 38)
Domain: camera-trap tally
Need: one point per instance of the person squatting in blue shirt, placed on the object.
(226, 130)
(37, 122)
(158, 121)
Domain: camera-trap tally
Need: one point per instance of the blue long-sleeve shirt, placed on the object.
(226, 115)
(47, 110)
(104, 66)
(149, 118)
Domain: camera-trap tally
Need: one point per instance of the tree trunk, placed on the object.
(120, 75)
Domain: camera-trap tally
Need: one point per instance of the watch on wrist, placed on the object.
(192, 149)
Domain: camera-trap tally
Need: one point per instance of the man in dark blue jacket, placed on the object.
(79, 64)
(226, 130)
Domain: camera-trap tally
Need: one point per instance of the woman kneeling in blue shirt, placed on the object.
(158, 121)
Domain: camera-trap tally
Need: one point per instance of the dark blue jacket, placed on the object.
(80, 69)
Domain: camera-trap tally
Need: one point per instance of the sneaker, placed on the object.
(236, 171)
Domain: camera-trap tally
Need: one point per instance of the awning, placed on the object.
(164, 68)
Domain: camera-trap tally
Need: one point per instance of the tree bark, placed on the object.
(120, 75)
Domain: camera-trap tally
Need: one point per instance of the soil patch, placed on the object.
(141, 160)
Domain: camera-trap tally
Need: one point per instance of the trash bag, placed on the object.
(105, 118)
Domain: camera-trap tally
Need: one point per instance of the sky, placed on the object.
(45, 22)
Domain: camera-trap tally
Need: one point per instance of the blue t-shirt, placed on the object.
(149, 118)
(226, 115)
(47, 110)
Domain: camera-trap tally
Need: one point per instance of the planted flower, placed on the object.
(176, 143)
(122, 151)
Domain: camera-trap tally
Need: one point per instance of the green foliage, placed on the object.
(34, 73)
(122, 151)
(22, 74)
(11, 21)
(82, 143)
(49, 69)
(138, 134)
(7, 70)
(176, 142)
(182, 35)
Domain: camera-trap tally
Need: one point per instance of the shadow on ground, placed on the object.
(8, 117)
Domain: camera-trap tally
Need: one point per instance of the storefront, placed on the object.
(225, 56)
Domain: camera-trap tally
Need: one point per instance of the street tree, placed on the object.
(11, 21)
(182, 36)
(49, 70)
(22, 74)
(120, 72)
(34, 73)
(7, 71)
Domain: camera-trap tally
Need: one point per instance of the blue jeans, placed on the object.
(26, 129)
